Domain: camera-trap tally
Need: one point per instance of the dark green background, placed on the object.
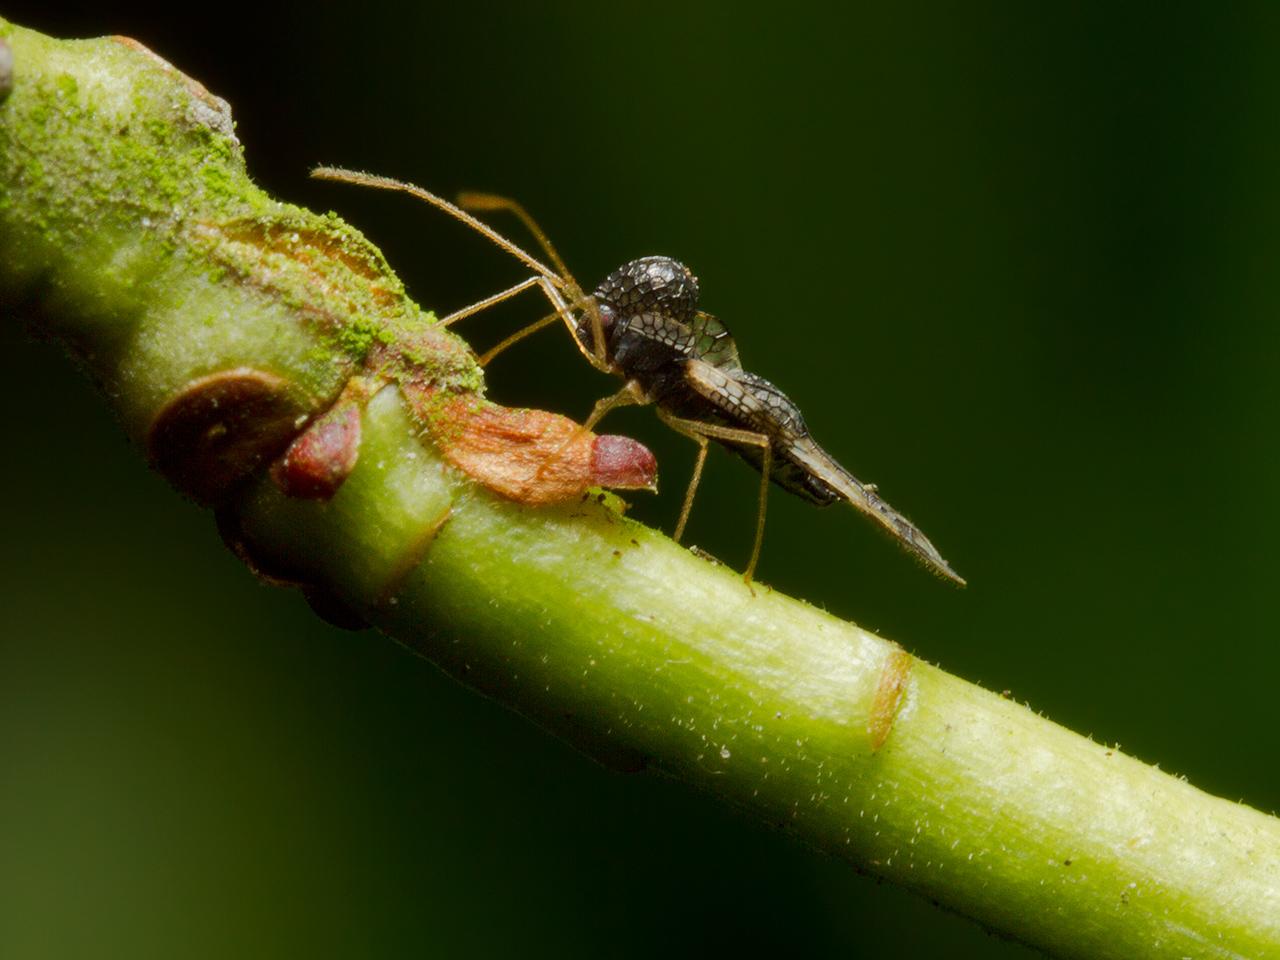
(1017, 265)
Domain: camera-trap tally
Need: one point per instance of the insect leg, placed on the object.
(552, 283)
(516, 337)
(701, 432)
(765, 469)
(491, 201)
(596, 356)
(693, 488)
(488, 302)
(563, 312)
(629, 394)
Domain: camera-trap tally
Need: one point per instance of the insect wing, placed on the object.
(817, 462)
(757, 404)
(747, 401)
(704, 338)
(712, 342)
(662, 329)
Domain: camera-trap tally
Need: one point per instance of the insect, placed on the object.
(642, 323)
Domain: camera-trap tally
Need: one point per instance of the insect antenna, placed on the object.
(470, 200)
(360, 179)
(560, 288)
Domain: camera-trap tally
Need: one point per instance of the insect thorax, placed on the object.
(645, 308)
(651, 285)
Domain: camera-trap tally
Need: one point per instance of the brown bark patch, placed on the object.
(888, 697)
(317, 251)
(221, 429)
(530, 456)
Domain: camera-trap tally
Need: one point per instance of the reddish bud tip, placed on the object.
(318, 462)
(623, 464)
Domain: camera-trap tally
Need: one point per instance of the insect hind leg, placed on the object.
(700, 433)
(703, 444)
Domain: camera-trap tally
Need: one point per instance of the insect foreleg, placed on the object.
(563, 312)
(488, 302)
(629, 395)
(516, 337)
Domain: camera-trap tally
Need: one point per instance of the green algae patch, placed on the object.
(124, 178)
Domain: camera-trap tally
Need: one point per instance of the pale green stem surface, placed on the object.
(596, 627)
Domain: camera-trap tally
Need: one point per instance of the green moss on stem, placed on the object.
(126, 212)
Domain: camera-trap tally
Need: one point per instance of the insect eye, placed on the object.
(584, 332)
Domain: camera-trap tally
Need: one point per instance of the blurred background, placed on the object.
(1015, 264)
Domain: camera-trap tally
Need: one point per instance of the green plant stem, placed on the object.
(131, 231)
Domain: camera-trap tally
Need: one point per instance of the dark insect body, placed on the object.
(642, 323)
